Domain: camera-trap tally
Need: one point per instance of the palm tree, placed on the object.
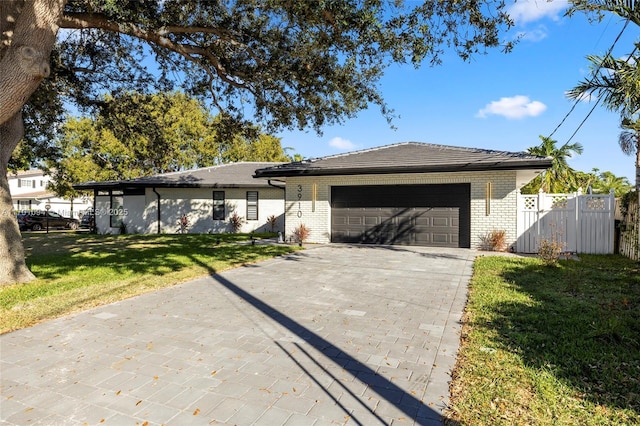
(617, 85)
(559, 177)
(629, 141)
(607, 181)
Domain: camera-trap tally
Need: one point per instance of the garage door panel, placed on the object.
(423, 220)
(380, 223)
(338, 220)
(445, 222)
(354, 220)
(443, 239)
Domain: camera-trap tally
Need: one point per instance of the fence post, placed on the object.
(519, 220)
(540, 208)
(612, 222)
(578, 209)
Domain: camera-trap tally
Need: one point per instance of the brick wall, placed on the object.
(308, 200)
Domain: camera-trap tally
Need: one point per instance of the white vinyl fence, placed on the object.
(582, 223)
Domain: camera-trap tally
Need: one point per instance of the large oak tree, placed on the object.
(281, 63)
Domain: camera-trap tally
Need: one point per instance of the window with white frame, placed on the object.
(26, 183)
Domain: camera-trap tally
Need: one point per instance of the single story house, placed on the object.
(407, 193)
(208, 197)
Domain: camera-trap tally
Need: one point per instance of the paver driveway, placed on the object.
(331, 335)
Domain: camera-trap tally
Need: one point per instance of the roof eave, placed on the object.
(447, 168)
(125, 185)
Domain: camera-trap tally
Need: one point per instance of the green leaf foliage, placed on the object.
(134, 135)
(559, 177)
(278, 63)
(615, 81)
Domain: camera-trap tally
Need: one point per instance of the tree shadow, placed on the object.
(137, 254)
(583, 326)
(411, 406)
(405, 227)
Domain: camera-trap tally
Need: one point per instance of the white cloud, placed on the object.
(513, 107)
(340, 143)
(523, 11)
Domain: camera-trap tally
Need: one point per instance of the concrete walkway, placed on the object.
(331, 335)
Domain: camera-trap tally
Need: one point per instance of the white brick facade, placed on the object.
(308, 200)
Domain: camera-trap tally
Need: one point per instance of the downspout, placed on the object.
(284, 200)
(158, 207)
(276, 186)
(93, 227)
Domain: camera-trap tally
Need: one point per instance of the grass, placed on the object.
(77, 271)
(550, 345)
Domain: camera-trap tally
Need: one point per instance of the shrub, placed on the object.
(301, 233)
(550, 250)
(272, 221)
(235, 221)
(496, 240)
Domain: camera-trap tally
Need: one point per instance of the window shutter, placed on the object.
(252, 205)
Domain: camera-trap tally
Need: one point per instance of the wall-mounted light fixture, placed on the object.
(487, 199)
(314, 194)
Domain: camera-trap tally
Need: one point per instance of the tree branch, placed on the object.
(160, 38)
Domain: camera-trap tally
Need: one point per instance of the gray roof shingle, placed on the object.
(409, 157)
(232, 175)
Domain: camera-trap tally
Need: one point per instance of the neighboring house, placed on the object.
(407, 193)
(29, 193)
(208, 197)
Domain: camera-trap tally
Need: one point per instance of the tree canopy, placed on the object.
(560, 177)
(616, 81)
(284, 64)
(133, 135)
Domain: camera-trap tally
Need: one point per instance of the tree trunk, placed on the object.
(638, 190)
(13, 268)
(638, 166)
(28, 31)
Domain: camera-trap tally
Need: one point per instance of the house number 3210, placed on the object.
(299, 203)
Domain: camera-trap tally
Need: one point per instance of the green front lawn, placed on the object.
(77, 271)
(549, 345)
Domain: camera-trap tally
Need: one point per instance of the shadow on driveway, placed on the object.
(407, 403)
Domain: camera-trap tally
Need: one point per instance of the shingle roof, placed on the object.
(30, 195)
(409, 157)
(232, 175)
(25, 173)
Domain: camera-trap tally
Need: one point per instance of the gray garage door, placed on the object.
(426, 215)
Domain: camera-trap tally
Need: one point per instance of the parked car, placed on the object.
(88, 220)
(38, 220)
(21, 223)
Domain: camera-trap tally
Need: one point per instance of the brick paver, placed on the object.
(332, 335)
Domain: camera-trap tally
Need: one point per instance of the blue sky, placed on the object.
(497, 101)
